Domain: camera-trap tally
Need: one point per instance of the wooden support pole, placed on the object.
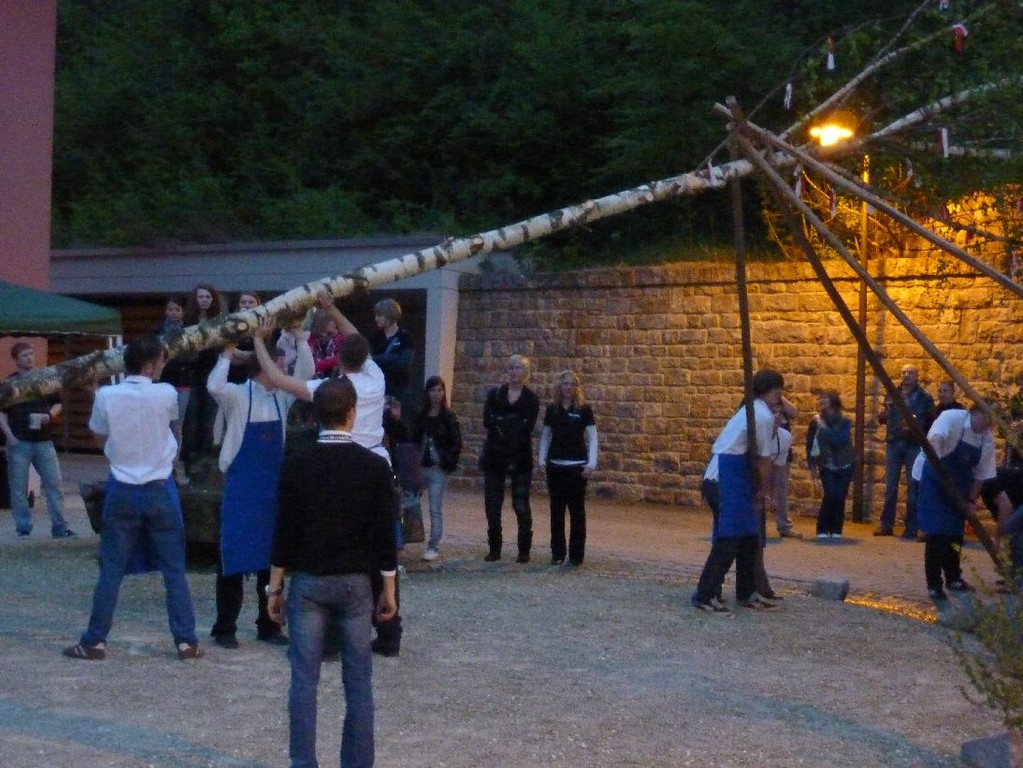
(788, 201)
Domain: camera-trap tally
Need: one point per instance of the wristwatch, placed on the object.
(274, 592)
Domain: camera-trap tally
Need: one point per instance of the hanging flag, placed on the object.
(831, 54)
(798, 189)
(787, 101)
(960, 32)
(943, 139)
(833, 199)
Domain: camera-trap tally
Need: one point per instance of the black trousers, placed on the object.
(942, 556)
(493, 500)
(741, 550)
(567, 488)
(231, 594)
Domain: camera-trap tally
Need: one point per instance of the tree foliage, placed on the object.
(210, 120)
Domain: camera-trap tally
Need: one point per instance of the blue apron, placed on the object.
(736, 509)
(935, 511)
(248, 513)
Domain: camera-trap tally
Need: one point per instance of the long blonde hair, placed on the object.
(578, 397)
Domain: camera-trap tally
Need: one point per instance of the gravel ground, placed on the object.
(507, 665)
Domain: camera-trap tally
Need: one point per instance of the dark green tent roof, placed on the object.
(31, 312)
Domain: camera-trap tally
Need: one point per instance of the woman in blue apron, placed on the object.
(939, 518)
(247, 519)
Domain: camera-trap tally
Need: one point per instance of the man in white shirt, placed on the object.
(367, 430)
(965, 447)
(255, 415)
(141, 509)
(743, 488)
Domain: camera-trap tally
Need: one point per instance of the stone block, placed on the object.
(830, 589)
(1002, 750)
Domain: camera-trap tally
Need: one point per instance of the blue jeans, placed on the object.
(436, 480)
(43, 456)
(136, 515)
(899, 453)
(315, 604)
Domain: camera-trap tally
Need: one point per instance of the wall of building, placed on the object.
(659, 353)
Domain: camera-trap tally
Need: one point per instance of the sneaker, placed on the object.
(937, 594)
(836, 535)
(712, 606)
(226, 641)
(67, 533)
(24, 534)
(822, 535)
(557, 561)
(96, 652)
(960, 586)
(188, 651)
(758, 603)
(909, 535)
(884, 532)
(430, 554)
(522, 558)
(790, 534)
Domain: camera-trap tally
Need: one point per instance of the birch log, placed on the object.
(84, 370)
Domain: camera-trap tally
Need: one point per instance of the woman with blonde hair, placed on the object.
(568, 455)
(509, 416)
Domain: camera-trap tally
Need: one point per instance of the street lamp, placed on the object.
(828, 135)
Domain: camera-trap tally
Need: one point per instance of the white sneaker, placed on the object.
(836, 535)
(430, 554)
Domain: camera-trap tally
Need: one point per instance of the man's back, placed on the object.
(135, 416)
(336, 506)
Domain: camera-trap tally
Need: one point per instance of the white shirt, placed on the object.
(135, 417)
(368, 430)
(780, 444)
(732, 440)
(950, 427)
(233, 400)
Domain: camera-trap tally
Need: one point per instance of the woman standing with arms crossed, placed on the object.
(568, 454)
(509, 417)
(831, 453)
(437, 432)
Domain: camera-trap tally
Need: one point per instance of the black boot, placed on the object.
(525, 544)
(493, 555)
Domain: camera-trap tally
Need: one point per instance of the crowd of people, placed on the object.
(330, 501)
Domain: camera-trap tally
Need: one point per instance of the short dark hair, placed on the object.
(353, 351)
(332, 401)
(766, 380)
(834, 399)
(18, 348)
(141, 351)
(253, 367)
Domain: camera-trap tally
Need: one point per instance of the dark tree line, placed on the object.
(211, 120)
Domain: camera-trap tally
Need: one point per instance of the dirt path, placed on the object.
(508, 666)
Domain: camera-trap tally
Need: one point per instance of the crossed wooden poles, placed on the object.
(743, 134)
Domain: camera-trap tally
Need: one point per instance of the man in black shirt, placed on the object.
(335, 526)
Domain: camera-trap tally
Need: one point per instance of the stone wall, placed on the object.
(659, 353)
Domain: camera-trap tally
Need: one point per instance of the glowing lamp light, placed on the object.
(829, 135)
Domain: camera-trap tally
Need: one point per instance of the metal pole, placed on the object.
(859, 509)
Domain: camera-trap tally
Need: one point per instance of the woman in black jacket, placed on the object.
(439, 436)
